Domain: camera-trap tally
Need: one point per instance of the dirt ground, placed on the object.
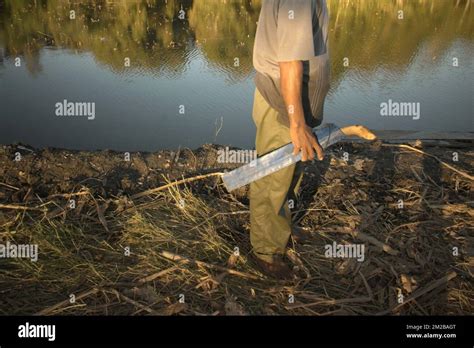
(174, 251)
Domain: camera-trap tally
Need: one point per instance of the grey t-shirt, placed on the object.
(293, 30)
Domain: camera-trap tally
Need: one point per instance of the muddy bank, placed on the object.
(412, 213)
(35, 173)
(107, 173)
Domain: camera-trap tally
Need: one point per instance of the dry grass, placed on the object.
(182, 242)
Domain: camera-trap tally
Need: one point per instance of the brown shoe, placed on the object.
(276, 269)
(300, 234)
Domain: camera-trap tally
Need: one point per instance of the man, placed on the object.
(292, 62)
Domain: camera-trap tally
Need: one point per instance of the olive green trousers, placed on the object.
(272, 196)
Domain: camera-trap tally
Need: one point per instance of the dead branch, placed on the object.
(175, 183)
(184, 260)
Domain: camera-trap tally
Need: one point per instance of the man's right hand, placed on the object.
(305, 141)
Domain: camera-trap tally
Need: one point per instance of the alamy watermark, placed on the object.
(236, 156)
(28, 330)
(84, 109)
(356, 251)
(403, 109)
(24, 251)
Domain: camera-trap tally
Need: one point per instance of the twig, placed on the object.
(10, 186)
(100, 213)
(460, 172)
(362, 236)
(157, 275)
(175, 183)
(135, 303)
(433, 285)
(330, 302)
(218, 129)
(369, 290)
(68, 195)
(184, 260)
(20, 207)
(61, 304)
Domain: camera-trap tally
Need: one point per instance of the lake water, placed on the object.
(175, 64)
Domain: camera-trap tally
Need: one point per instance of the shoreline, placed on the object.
(215, 153)
(389, 136)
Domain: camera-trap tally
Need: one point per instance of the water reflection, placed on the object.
(147, 32)
(151, 34)
(371, 34)
(213, 41)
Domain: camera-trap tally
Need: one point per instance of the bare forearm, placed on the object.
(291, 84)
